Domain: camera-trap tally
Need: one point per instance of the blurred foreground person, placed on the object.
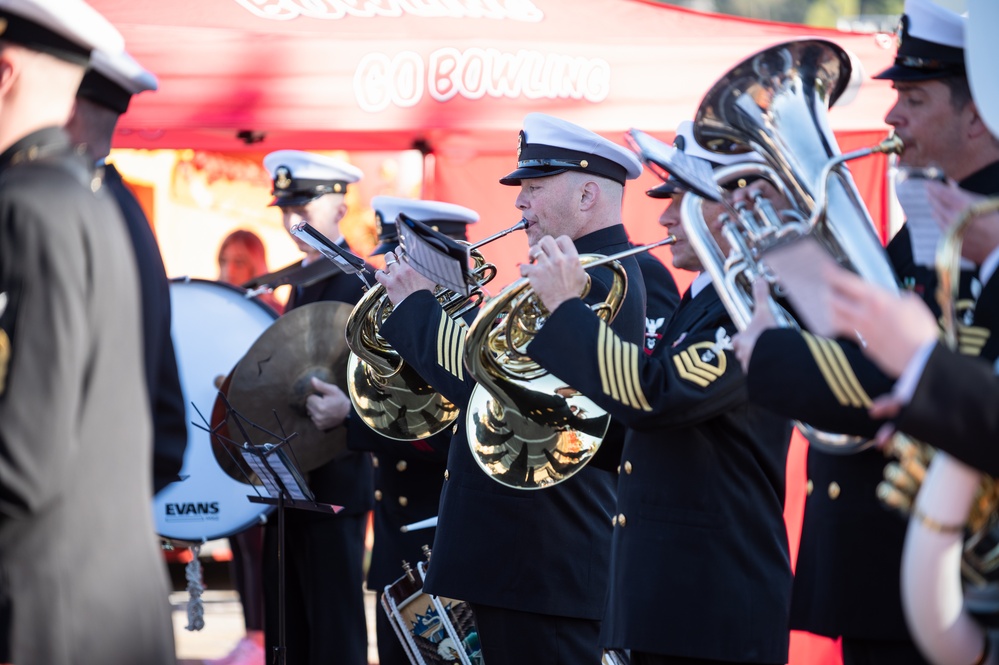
(73, 401)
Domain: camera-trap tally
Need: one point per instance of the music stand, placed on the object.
(286, 488)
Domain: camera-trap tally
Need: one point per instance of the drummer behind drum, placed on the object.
(324, 555)
(408, 474)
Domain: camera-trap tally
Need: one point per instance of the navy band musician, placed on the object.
(532, 564)
(700, 570)
(847, 573)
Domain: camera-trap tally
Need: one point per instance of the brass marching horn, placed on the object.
(954, 522)
(390, 396)
(774, 104)
(526, 428)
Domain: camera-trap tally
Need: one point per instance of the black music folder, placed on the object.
(347, 261)
(434, 255)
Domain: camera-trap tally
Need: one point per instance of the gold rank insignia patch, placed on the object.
(837, 372)
(701, 363)
(451, 345)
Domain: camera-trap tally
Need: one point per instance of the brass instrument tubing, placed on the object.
(522, 224)
(668, 240)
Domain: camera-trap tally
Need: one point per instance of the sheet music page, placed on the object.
(282, 466)
(924, 231)
(435, 256)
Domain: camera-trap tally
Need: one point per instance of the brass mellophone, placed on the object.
(388, 395)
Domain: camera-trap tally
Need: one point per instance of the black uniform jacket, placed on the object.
(162, 379)
(347, 480)
(661, 295)
(847, 579)
(700, 565)
(956, 408)
(408, 479)
(544, 551)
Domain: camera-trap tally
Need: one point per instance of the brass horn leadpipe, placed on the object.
(526, 428)
(522, 224)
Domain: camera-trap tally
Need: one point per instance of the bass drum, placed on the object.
(213, 326)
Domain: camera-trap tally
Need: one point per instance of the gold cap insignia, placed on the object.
(521, 141)
(282, 177)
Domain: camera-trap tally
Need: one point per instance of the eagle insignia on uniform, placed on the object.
(704, 362)
(282, 177)
(652, 335)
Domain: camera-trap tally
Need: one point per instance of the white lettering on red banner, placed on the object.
(283, 10)
(403, 80)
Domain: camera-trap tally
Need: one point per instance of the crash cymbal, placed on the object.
(270, 384)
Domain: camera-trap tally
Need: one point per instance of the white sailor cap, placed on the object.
(930, 43)
(686, 142)
(450, 219)
(66, 29)
(549, 146)
(300, 177)
(980, 55)
(113, 78)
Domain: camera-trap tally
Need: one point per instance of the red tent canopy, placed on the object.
(454, 78)
(382, 74)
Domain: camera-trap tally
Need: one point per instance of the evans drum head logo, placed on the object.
(192, 511)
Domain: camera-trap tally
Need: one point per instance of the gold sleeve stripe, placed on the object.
(618, 364)
(839, 376)
(450, 346)
(972, 339)
(602, 361)
(979, 332)
(847, 375)
(635, 395)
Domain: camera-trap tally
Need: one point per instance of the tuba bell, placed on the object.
(389, 396)
(774, 104)
(526, 428)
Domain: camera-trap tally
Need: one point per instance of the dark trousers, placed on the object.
(638, 658)
(881, 652)
(390, 649)
(324, 594)
(247, 574)
(509, 637)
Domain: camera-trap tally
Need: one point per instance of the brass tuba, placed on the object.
(526, 428)
(954, 526)
(774, 104)
(390, 396)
